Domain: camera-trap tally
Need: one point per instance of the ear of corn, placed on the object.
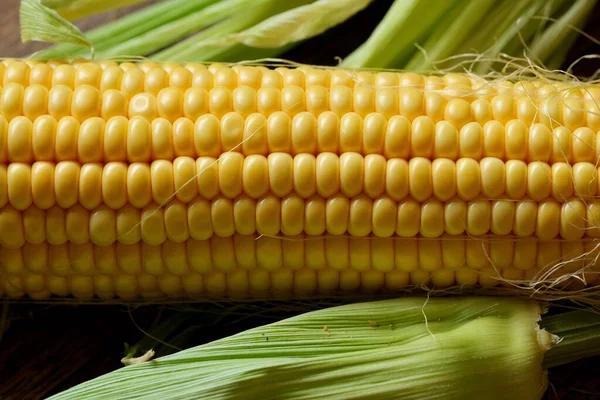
(406, 348)
(170, 179)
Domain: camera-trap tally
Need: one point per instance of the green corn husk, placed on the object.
(407, 348)
(77, 9)
(421, 35)
(129, 28)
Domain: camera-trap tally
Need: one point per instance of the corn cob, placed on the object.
(144, 180)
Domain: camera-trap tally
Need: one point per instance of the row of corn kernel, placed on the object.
(171, 103)
(268, 253)
(241, 283)
(152, 77)
(292, 215)
(45, 184)
(138, 140)
(41, 285)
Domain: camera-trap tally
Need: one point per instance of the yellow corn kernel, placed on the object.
(244, 100)
(481, 110)
(503, 108)
(422, 137)
(42, 184)
(152, 225)
(352, 174)
(19, 188)
(444, 178)
(516, 140)
(34, 225)
(232, 131)
(90, 141)
(162, 140)
(350, 136)
(453, 252)
(195, 103)
(493, 176)
(143, 105)
(66, 140)
(432, 218)
(340, 99)
(420, 178)
(16, 72)
(374, 175)
(77, 224)
(540, 143)
(255, 138)
(458, 112)
(169, 103)
(516, 179)
(11, 232)
(572, 220)
(103, 226)
(478, 218)
(548, 220)
(493, 139)
(411, 102)
(40, 74)
(114, 185)
(183, 138)
(35, 101)
(89, 185)
(364, 100)
(114, 103)
(409, 218)
(314, 216)
(85, 103)
(43, 136)
(206, 136)
(468, 178)
(304, 133)
(268, 100)
(455, 213)
(583, 145)
(471, 141)
(396, 179)
(539, 185)
(19, 140)
(446, 141)
(112, 78)
(179, 77)
(585, 179)
(292, 215)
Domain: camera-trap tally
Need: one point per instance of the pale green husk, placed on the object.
(298, 24)
(407, 348)
(131, 27)
(76, 9)
(206, 30)
(421, 35)
(42, 23)
(407, 22)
